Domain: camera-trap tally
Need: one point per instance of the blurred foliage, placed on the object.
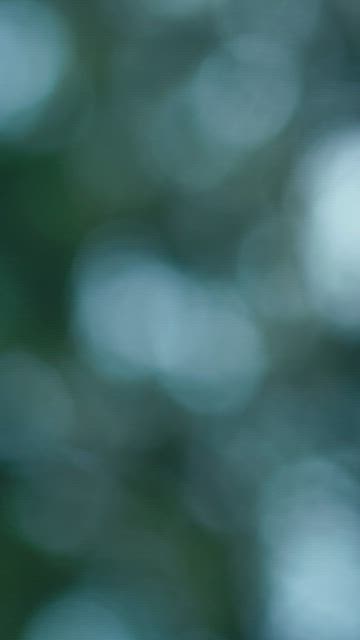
(180, 317)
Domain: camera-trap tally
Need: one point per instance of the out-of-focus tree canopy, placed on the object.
(180, 319)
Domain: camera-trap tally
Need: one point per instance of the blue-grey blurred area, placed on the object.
(180, 319)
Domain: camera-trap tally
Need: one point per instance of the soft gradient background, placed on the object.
(180, 319)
